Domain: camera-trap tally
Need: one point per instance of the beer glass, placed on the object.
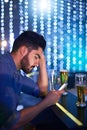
(53, 80)
(80, 84)
(64, 79)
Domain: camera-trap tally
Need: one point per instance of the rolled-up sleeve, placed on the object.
(28, 86)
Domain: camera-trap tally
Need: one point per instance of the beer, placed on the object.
(63, 76)
(81, 95)
(64, 79)
(80, 83)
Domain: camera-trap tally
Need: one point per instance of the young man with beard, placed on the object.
(27, 53)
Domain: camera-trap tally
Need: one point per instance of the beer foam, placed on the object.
(63, 70)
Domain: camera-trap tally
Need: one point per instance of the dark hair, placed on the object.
(29, 39)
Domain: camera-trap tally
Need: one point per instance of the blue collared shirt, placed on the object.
(12, 82)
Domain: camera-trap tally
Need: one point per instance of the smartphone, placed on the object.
(63, 86)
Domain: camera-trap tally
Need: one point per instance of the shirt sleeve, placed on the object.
(9, 116)
(29, 86)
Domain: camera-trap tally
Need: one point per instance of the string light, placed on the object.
(48, 36)
(34, 8)
(42, 22)
(86, 38)
(55, 38)
(2, 26)
(21, 17)
(6, 1)
(61, 34)
(11, 32)
(26, 15)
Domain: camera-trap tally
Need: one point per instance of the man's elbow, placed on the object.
(43, 90)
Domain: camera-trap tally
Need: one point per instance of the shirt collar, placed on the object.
(11, 61)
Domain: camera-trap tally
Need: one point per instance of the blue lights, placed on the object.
(63, 23)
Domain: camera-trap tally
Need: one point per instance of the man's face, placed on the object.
(30, 60)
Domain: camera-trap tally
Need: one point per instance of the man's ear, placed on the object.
(23, 50)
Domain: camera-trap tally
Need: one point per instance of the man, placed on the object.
(27, 52)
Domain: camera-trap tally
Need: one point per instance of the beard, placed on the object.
(25, 65)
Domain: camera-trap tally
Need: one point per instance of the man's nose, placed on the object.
(37, 63)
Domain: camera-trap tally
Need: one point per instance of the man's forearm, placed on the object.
(27, 114)
(43, 76)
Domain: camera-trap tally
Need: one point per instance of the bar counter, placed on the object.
(72, 116)
(64, 115)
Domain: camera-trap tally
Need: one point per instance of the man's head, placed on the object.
(27, 50)
(29, 39)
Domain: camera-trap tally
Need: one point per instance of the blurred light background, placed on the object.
(63, 23)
